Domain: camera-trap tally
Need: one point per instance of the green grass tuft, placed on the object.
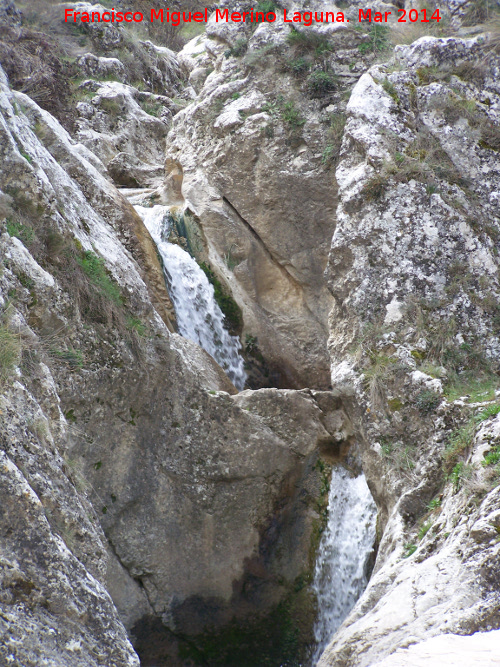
(94, 268)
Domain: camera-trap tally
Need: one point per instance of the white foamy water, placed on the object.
(340, 572)
(199, 318)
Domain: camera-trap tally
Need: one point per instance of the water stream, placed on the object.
(340, 574)
(199, 318)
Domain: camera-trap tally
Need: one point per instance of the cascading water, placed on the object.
(340, 575)
(199, 318)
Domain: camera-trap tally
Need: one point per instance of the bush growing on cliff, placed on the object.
(320, 83)
(377, 41)
(305, 42)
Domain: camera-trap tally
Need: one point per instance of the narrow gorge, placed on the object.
(250, 335)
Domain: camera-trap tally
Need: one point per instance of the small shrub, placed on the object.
(459, 442)
(475, 387)
(490, 135)
(321, 83)
(261, 56)
(434, 504)
(492, 458)
(460, 472)
(291, 115)
(135, 324)
(307, 42)
(268, 131)
(266, 6)
(490, 411)
(375, 187)
(230, 260)
(390, 88)
(328, 153)
(297, 66)
(110, 106)
(251, 343)
(427, 401)
(152, 108)
(479, 11)
(378, 39)
(377, 375)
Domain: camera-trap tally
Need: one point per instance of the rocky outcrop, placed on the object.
(414, 269)
(126, 129)
(54, 602)
(202, 524)
(267, 229)
(479, 648)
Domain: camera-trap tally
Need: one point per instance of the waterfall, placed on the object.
(340, 574)
(199, 318)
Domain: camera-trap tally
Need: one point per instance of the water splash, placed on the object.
(199, 318)
(340, 574)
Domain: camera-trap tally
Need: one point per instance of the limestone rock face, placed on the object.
(115, 125)
(479, 648)
(267, 228)
(208, 502)
(414, 271)
(100, 68)
(54, 602)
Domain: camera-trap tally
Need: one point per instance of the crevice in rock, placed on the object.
(273, 259)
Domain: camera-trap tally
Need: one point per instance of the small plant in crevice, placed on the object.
(307, 42)
(152, 108)
(320, 83)
(377, 39)
(459, 442)
(424, 529)
(390, 88)
(461, 439)
(298, 66)
(287, 111)
(492, 458)
(73, 358)
(377, 372)
(291, 115)
(230, 259)
(24, 233)
(434, 504)
(409, 549)
(94, 267)
(427, 401)
(137, 325)
(461, 472)
(265, 7)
